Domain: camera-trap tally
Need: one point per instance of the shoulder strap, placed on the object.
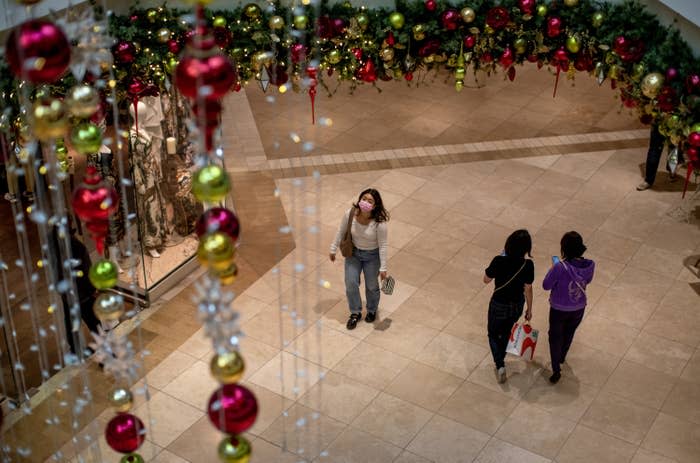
(573, 277)
(511, 278)
(349, 224)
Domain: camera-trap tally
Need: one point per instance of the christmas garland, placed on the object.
(651, 65)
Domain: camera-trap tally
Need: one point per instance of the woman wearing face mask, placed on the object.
(369, 240)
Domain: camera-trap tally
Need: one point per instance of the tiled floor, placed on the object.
(418, 384)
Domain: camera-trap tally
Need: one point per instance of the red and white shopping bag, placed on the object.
(523, 340)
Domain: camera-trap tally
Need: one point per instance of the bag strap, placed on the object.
(573, 277)
(349, 224)
(511, 278)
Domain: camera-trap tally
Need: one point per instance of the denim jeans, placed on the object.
(367, 262)
(502, 317)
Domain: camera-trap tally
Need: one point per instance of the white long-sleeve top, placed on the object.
(365, 237)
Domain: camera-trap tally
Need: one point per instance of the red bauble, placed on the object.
(124, 52)
(561, 59)
(357, 53)
(324, 27)
(507, 58)
(671, 74)
(553, 27)
(430, 47)
(390, 39)
(692, 83)
(278, 75)
(200, 38)
(135, 87)
(469, 41)
(219, 219)
(667, 99)
(532, 58)
(298, 52)
(450, 19)
(486, 57)
(207, 114)
(222, 36)
(232, 409)
(367, 72)
(694, 139)
(692, 153)
(620, 44)
(125, 433)
(94, 199)
(174, 46)
(38, 51)
(338, 26)
(526, 6)
(583, 62)
(430, 5)
(212, 71)
(497, 17)
(408, 76)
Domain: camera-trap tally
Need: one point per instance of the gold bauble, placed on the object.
(228, 275)
(50, 119)
(300, 21)
(252, 11)
(227, 368)
(334, 56)
(151, 15)
(459, 85)
(489, 30)
(163, 35)
(651, 84)
(468, 15)
(108, 306)
(571, 3)
(614, 72)
(211, 183)
(234, 449)
(387, 54)
(597, 19)
(216, 250)
(120, 399)
(83, 101)
(637, 71)
(520, 45)
(419, 31)
(276, 23)
(262, 58)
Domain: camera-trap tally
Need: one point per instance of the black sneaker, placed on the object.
(370, 317)
(352, 321)
(556, 376)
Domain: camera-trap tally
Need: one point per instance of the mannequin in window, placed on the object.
(146, 161)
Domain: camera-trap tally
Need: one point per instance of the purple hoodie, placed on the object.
(562, 279)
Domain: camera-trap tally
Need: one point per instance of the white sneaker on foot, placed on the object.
(501, 375)
(643, 186)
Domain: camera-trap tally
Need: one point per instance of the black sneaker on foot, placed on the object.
(370, 317)
(352, 321)
(556, 376)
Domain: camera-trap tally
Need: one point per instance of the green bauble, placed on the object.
(219, 21)
(234, 449)
(132, 458)
(573, 43)
(86, 138)
(151, 15)
(637, 71)
(542, 10)
(334, 56)
(419, 31)
(397, 20)
(104, 274)
(252, 11)
(362, 21)
(301, 21)
(211, 184)
(597, 19)
(520, 45)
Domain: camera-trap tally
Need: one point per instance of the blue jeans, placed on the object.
(367, 262)
(502, 317)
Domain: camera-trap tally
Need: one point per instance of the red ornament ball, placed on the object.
(450, 19)
(298, 52)
(671, 74)
(38, 51)
(174, 46)
(125, 433)
(232, 409)
(692, 154)
(497, 17)
(553, 27)
(430, 5)
(94, 199)
(469, 41)
(219, 219)
(694, 139)
(692, 83)
(527, 6)
(135, 87)
(124, 52)
(507, 58)
(210, 75)
(368, 72)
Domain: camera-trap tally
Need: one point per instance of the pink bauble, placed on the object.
(174, 46)
(450, 19)
(125, 433)
(527, 6)
(553, 26)
(232, 409)
(692, 153)
(694, 139)
(338, 26)
(507, 58)
(219, 219)
(38, 51)
(214, 72)
(692, 83)
(135, 87)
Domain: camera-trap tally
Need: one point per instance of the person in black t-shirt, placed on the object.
(514, 275)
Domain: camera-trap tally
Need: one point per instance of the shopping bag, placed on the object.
(522, 341)
(388, 285)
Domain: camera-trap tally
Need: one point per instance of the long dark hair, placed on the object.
(518, 244)
(379, 214)
(572, 245)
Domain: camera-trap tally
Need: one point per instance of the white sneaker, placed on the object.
(643, 186)
(501, 375)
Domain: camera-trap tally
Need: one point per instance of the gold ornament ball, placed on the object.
(489, 30)
(234, 449)
(459, 85)
(419, 31)
(163, 35)
(219, 21)
(597, 19)
(108, 306)
(50, 118)
(614, 72)
(151, 15)
(520, 45)
(276, 23)
(171, 64)
(211, 183)
(542, 10)
(637, 71)
(83, 101)
(301, 21)
(468, 15)
(651, 84)
(571, 3)
(120, 399)
(397, 20)
(334, 56)
(86, 138)
(216, 250)
(228, 275)
(460, 73)
(573, 43)
(227, 368)
(262, 58)
(387, 54)
(103, 274)
(362, 21)
(252, 11)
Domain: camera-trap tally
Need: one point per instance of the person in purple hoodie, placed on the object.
(567, 280)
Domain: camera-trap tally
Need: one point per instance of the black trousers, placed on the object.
(502, 317)
(656, 148)
(562, 326)
(86, 314)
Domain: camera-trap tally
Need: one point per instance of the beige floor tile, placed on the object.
(640, 384)
(326, 347)
(479, 205)
(451, 282)
(392, 419)
(264, 452)
(248, 306)
(569, 399)
(684, 402)
(624, 308)
(197, 346)
(470, 325)
(255, 354)
(675, 323)
(297, 376)
(642, 284)
(540, 198)
(408, 457)
(586, 444)
(413, 269)
(167, 457)
(645, 456)
(371, 365)
(606, 270)
(416, 378)
(521, 376)
(452, 355)
(674, 438)
(493, 237)
(659, 354)
(339, 397)
(399, 182)
(536, 430)
(478, 407)
(265, 327)
(337, 317)
(458, 226)
(430, 309)
(436, 246)
(657, 260)
(498, 451)
(679, 238)
(401, 336)
(417, 212)
(169, 369)
(303, 431)
(619, 417)
(389, 303)
(447, 441)
(518, 172)
(575, 166)
(691, 372)
(193, 386)
(439, 193)
(612, 246)
(402, 233)
(169, 418)
(606, 335)
(198, 443)
(270, 407)
(515, 217)
(354, 446)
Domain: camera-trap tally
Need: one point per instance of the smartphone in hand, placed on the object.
(555, 260)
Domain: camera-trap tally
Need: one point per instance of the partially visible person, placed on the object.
(567, 281)
(656, 148)
(514, 274)
(369, 255)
